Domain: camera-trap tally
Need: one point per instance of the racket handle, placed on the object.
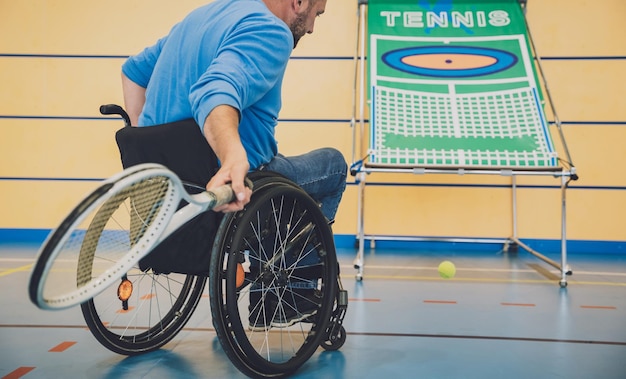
(225, 194)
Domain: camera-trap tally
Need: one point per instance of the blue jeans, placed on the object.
(321, 173)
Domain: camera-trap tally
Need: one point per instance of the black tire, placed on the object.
(279, 277)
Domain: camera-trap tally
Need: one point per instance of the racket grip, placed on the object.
(225, 194)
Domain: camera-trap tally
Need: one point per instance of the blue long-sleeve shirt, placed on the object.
(232, 52)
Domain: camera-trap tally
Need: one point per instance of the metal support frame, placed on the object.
(566, 174)
(509, 244)
(563, 267)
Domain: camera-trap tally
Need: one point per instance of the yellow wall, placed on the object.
(62, 61)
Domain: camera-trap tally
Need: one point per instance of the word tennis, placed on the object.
(455, 19)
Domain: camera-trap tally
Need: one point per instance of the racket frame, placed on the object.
(168, 220)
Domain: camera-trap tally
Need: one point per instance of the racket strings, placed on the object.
(117, 225)
(146, 200)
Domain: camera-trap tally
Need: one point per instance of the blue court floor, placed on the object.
(502, 316)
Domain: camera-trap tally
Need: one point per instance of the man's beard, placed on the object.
(298, 27)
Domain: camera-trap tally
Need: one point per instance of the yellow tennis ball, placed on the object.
(447, 269)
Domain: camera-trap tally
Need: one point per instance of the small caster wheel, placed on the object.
(335, 342)
(563, 284)
(359, 277)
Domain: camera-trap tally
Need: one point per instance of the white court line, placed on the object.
(473, 269)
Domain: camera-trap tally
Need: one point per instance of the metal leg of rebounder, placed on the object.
(359, 259)
(562, 266)
(571, 175)
(359, 84)
(565, 269)
(511, 243)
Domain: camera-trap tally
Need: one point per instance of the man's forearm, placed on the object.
(134, 98)
(221, 129)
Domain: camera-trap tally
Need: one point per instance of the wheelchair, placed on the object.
(274, 288)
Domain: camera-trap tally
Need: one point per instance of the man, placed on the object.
(223, 66)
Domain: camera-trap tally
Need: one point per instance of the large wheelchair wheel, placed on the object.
(160, 306)
(146, 309)
(273, 280)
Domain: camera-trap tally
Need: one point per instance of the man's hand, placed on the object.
(235, 175)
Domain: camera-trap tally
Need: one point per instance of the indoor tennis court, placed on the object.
(501, 316)
(485, 133)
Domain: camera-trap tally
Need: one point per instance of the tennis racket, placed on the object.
(108, 232)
